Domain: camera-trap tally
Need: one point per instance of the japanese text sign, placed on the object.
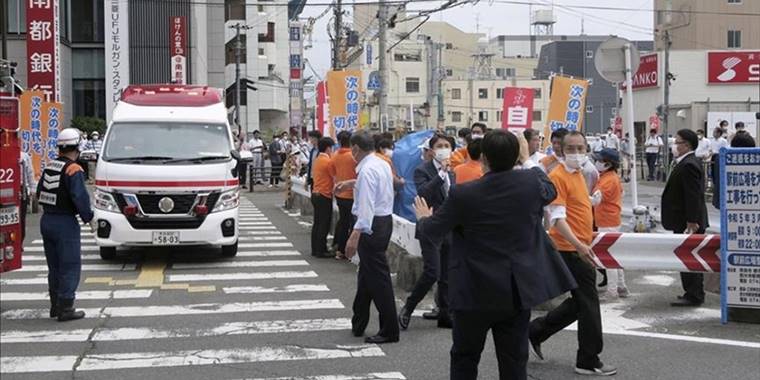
(40, 124)
(43, 48)
(567, 104)
(178, 49)
(740, 228)
(517, 113)
(117, 51)
(345, 91)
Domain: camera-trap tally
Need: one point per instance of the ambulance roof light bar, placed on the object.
(163, 95)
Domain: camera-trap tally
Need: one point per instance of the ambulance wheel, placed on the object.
(230, 250)
(107, 253)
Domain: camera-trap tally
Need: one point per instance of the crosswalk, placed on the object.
(256, 300)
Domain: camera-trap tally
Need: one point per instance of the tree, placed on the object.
(89, 124)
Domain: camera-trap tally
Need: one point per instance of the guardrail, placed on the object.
(613, 250)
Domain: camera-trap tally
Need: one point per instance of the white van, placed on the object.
(166, 174)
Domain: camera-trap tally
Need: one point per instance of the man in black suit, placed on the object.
(499, 268)
(683, 207)
(433, 179)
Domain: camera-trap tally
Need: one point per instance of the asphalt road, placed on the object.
(274, 312)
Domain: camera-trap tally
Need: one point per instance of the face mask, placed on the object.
(476, 136)
(460, 141)
(575, 161)
(674, 150)
(600, 166)
(442, 154)
(388, 153)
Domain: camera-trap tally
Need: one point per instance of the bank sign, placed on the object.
(647, 75)
(725, 67)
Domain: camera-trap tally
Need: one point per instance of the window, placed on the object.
(456, 93)
(260, 8)
(234, 10)
(408, 57)
(536, 93)
(734, 1)
(413, 85)
(88, 82)
(482, 93)
(613, 110)
(482, 115)
(734, 39)
(589, 54)
(536, 115)
(262, 53)
(498, 115)
(449, 46)
(505, 72)
(16, 18)
(499, 93)
(269, 37)
(590, 109)
(456, 116)
(449, 72)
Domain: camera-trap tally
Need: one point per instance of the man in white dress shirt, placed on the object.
(373, 209)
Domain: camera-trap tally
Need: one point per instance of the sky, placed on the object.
(495, 18)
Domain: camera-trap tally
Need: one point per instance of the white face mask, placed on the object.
(674, 150)
(600, 166)
(476, 136)
(575, 161)
(442, 154)
(388, 153)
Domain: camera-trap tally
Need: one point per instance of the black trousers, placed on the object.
(322, 222)
(345, 223)
(275, 174)
(374, 280)
(242, 170)
(435, 256)
(583, 306)
(694, 283)
(651, 161)
(510, 337)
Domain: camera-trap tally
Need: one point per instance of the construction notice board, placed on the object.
(740, 229)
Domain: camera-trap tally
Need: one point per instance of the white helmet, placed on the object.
(68, 137)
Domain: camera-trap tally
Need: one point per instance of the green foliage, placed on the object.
(89, 124)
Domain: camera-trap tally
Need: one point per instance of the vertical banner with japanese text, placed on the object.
(567, 105)
(296, 77)
(39, 127)
(116, 24)
(178, 48)
(517, 113)
(345, 91)
(43, 48)
(322, 116)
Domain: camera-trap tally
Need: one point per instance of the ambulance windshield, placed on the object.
(162, 143)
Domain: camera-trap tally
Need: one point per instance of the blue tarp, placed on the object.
(406, 157)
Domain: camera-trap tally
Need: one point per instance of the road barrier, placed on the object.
(613, 250)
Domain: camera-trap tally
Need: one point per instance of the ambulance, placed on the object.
(166, 175)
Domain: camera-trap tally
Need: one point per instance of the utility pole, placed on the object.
(441, 75)
(383, 101)
(238, 49)
(666, 103)
(338, 38)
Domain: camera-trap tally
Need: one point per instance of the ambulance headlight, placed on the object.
(105, 201)
(228, 200)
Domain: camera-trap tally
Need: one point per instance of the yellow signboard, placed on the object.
(344, 92)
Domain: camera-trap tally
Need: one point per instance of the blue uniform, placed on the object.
(61, 192)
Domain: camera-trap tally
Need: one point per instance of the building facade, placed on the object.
(210, 44)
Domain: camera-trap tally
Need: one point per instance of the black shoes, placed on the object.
(535, 345)
(684, 301)
(66, 311)
(53, 305)
(404, 317)
(431, 315)
(599, 370)
(379, 339)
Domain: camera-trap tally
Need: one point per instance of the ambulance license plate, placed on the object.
(165, 238)
(9, 215)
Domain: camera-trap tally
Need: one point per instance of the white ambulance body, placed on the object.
(166, 174)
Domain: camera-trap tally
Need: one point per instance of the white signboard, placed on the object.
(740, 228)
(117, 52)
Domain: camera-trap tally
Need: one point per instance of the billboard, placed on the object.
(43, 65)
(647, 75)
(117, 51)
(39, 127)
(567, 104)
(726, 67)
(178, 48)
(517, 113)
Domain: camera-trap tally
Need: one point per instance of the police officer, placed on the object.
(63, 195)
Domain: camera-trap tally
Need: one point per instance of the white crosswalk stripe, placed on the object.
(265, 289)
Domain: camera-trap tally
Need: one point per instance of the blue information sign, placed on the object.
(374, 81)
(739, 229)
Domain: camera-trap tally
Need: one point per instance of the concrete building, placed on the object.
(467, 102)
(210, 53)
(708, 24)
(529, 45)
(576, 58)
(693, 95)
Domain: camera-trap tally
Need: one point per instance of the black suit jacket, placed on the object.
(430, 185)
(683, 200)
(500, 257)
